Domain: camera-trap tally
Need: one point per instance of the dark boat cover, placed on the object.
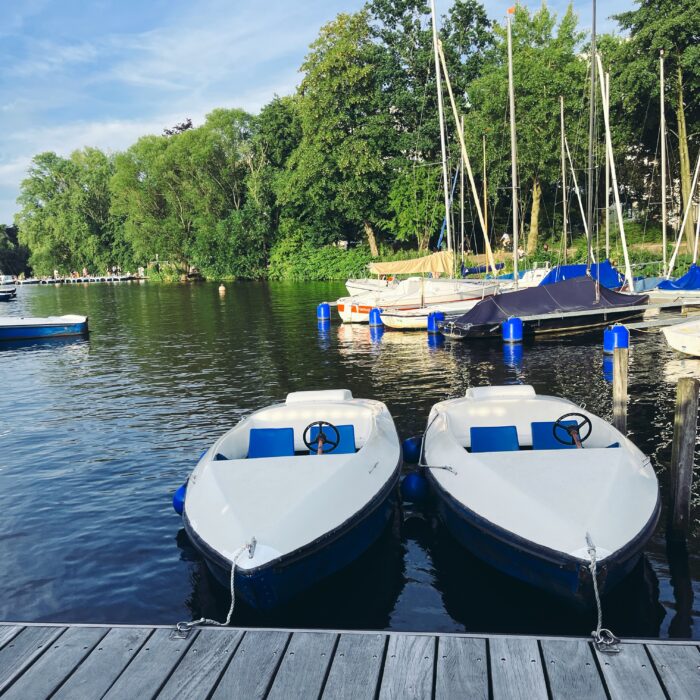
(689, 281)
(479, 269)
(577, 294)
(604, 272)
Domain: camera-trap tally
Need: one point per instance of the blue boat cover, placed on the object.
(345, 446)
(479, 269)
(271, 442)
(543, 436)
(578, 294)
(604, 272)
(690, 280)
(500, 438)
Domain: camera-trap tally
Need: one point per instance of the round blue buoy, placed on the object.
(414, 487)
(323, 311)
(411, 449)
(512, 330)
(434, 318)
(179, 499)
(375, 317)
(616, 336)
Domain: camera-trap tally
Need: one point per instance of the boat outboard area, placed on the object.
(538, 488)
(301, 489)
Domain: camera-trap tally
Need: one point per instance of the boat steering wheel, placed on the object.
(322, 444)
(573, 431)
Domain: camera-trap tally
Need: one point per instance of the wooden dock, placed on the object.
(93, 661)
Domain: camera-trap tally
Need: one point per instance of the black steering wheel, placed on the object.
(322, 444)
(573, 431)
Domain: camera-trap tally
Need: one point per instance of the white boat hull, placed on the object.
(684, 337)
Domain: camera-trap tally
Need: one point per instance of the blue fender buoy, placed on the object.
(179, 499)
(512, 330)
(616, 336)
(375, 318)
(434, 318)
(323, 312)
(414, 488)
(411, 448)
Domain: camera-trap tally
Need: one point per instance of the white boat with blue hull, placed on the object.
(25, 328)
(537, 487)
(288, 511)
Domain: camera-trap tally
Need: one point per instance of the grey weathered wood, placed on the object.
(20, 652)
(516, 669)
(408, 667)
(59, 660)
(356, 666)
(7, 632)
(630, 674)
(104, 664)
(685, 429)
(620, 369)
(200, 668)
(250, 673)
(151, 667)
(679, 669)
(462, 668)
(304, 666)
(571, 670)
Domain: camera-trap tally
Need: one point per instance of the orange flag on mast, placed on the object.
(511, 10)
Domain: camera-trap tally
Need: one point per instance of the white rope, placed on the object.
(184, 628)
(603, 638)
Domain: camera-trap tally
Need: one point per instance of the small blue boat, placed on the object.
(23, 328)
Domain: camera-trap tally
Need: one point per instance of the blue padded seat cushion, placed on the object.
(543, 436)
(347, 439)
(501, 438)
(271, 442)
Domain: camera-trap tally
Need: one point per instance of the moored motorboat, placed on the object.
(684, 337)
(25, 328)
(8, 293)
(301, 512)
(507, 488)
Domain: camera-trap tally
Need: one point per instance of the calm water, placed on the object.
(96, 434)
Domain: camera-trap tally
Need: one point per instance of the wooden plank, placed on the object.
(516, 669)
(198, 672)
(571, 669)
(151, 667)
(250, 673)
(304, 666)
(21, 651)
(462, 668)
(630, 674)
(356, 666)
(408, 668)
(104, 664)
(7, 632)
(679, 669)
(59, 660)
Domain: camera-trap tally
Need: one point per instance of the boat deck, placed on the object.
(92, 661)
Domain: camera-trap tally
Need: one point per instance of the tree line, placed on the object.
(354, 155)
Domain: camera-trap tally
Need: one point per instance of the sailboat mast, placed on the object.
(591, 137)
(513, 151)
(607, 177)
(461, 199)
(565, 238)
(486, 191)
(443, 144)
(663, 160)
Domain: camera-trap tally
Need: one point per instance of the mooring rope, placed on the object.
(605, 641)
(182, 629)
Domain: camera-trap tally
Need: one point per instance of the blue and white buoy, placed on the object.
(323, 311)
(512, 330)
(375, 318)
(616, 336)
(411, 448)
(434, 318)
(179, 499)
(414, 487)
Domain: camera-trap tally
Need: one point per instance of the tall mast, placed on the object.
(486, 191)
(461, 198)
(591, 137)
(565, 237)
(663, 160)
(513, 151)
(607, 178)
(443, 145)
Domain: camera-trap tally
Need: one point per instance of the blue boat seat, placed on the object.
(345, 446)
(271, 442)
(500, 438)
(543, 436)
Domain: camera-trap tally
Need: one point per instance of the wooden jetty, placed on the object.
(95, 661)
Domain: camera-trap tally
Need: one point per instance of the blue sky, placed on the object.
(101, 73)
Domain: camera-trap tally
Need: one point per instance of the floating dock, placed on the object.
(93, 661)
